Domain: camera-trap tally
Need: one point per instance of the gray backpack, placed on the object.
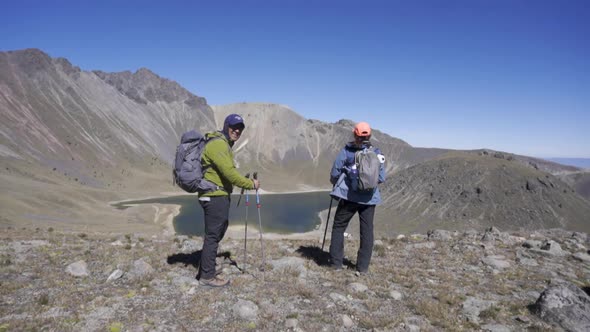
(188, 171)
(368, 166)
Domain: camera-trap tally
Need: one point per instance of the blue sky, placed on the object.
(505, 74)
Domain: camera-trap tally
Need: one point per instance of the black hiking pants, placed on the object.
(216, 221)
(344, 213)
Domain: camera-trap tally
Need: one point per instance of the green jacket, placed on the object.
(218, 161)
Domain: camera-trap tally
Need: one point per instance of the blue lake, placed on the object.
(279, 213)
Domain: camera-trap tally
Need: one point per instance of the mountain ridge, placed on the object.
(72, 140)
(583, 163)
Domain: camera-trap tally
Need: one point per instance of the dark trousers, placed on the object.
(216, 221)
(344, 213)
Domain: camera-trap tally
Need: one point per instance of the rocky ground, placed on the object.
(485, 281)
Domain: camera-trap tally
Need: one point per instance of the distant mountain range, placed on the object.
(583, 163)
(73, 140)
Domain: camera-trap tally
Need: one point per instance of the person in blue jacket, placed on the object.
(354, 201)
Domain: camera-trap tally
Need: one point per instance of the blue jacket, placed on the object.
(341, 182)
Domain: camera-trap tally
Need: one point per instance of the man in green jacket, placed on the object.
(218, 161)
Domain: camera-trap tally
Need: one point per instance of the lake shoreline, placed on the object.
(166, 213)
(183, 193)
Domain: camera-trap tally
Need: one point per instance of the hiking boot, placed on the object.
(217, 272)
(361, 273)
(214, 282)
(335, 268)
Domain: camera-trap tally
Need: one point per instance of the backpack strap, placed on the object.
(350, 157)
(207, 140)
(213, 186)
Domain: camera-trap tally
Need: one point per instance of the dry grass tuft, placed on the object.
(378, 321)
(438, 313)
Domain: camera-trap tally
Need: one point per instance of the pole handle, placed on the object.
(255, 177)
(247, 176)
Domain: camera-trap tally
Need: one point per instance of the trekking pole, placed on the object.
(340, 179)
(327, 222)
(245, 224)
(242, 191)
(246, 231)
(255, 176)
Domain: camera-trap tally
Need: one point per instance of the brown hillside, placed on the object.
(460, 189)
(71, 141)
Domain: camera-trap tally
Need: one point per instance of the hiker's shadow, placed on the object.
(193, 259)
(319, 256)
(227, 259)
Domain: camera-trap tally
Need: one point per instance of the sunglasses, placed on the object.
(239, 127)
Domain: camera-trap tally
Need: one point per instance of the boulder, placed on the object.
(566, 306)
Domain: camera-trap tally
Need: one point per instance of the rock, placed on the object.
(290, 261)
(532, 244)
(550, 248)
(78, 269)
(184, 282)
(400, 237)
(522, 319)
(181, 238)
(246, 310)
(378, 243)
(522, 258)
(396, 295)
(357, 287)
(550, 245)
(117, 243)
(580, 237)
(347, 321)
(517, 239)
(439, 235)
(291, 323)
(141, 269)
(531, 185)
(117, 274)
(338, 297)
(582, 257)
(473, 306)
(287, 248)
(470, 235)
(565, 305)
(496, 261)
(577, 246)
(190, 246)
(493, 234)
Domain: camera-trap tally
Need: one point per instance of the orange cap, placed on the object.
(362, 129)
